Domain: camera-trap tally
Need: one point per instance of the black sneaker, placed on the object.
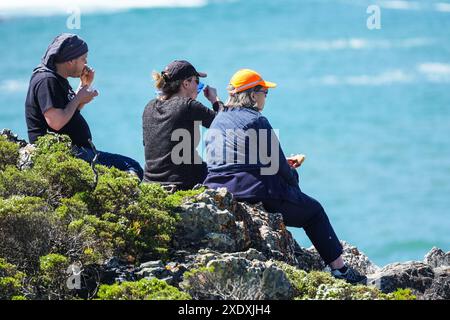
(350, 275)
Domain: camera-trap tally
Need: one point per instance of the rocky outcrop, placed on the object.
(437, 258)
(414, 275)
(241, 241)
(429, 279)
(215, 221)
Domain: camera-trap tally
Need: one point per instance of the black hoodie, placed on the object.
(48, 89)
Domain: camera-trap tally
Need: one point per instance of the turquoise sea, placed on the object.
(369, 108)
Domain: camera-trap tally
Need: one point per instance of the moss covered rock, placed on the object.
(144, 289)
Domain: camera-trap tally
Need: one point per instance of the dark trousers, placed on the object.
(309, 215)
(110, 160)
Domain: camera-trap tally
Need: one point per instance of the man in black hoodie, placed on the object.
(52, 105)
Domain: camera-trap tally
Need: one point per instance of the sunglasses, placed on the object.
(263, 91)
(196, 79)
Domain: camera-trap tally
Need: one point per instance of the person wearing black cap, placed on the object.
(173, 119)
(53, 106)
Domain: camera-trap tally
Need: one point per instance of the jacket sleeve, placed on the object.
(288, 174)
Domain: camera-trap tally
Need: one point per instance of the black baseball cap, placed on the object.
(180, 70)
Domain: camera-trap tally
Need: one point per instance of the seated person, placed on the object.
(171, 126)
(52, 105)
(237, 143)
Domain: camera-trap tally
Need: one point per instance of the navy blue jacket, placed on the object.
(239, 144)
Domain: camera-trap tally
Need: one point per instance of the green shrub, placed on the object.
(72, 209)
(155, 196)
(139, 230)
(65, 174)
(11, 281)
(154, 223)
(9, 153)
(54, 213)
(401, 294)
(52, 277)
(144, 289)
(85, 237)
(52, 143)
(28, 229)
(52, 265)
(135, 218)
(189, 275)
(99, 239)
(113, 194)
(22, 183)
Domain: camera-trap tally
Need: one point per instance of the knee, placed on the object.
(315, 206)
(317, 210)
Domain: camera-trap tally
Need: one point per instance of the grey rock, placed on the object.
(151, 264)
(357, 259)
(414, 275)
(25, 157)
(309, 259)
(437, 258)
(150, 272)
(114, 263)
(12, 137)
(218, 222)
(240, 275)
(440, 288)
(220, 241)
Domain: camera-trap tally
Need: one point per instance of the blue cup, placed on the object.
(200, 87)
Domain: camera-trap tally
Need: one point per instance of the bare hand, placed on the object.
(296, 161)
(85, 95)
(210, 94)
(87, 76)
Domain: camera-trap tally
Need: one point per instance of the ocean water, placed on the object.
(369, 108)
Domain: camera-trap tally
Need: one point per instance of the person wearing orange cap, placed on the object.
(244, 155)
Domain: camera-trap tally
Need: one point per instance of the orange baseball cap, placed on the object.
(245, 79)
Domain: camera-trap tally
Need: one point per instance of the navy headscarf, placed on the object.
(64, 47)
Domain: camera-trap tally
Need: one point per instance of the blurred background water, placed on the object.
(369, 108)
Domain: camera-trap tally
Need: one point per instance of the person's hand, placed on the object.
(210, 94)
(85, 95)
(296, 161)
(87, 76)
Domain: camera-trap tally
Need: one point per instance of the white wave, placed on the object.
(442, 7)
(427, 71)
(414, 5)
(352, 44)
(11, 86)
(400, 5)
(336, 44)
(384, 78)
(388, 77)
(435, 72)
(53, 7)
